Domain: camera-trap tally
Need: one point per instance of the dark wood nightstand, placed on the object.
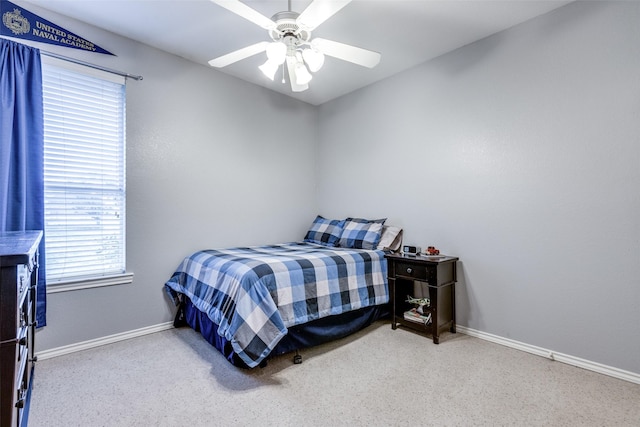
(427, 278)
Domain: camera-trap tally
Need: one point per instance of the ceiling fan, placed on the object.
(291, 43)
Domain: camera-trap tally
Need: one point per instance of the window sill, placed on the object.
(98, 282)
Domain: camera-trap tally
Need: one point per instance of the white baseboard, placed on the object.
(72, 348)
(549, 354)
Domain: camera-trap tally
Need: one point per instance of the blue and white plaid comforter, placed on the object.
(254, 294)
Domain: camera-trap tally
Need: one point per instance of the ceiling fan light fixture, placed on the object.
(269, 69)
(277, 52)
(313, 58)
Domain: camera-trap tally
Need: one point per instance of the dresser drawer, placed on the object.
(24, 280)
(23, 319)
(22, 389)
(23, 313)
(413, 271)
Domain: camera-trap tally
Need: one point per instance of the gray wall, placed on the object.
(518, 153)
(206, 167)
(521, 155)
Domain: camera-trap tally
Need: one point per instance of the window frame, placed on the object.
(69, 283)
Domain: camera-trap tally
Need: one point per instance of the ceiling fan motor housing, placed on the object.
(287, 30)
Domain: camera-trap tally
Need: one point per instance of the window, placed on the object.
(84, 172)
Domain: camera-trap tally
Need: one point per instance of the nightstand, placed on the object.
(430, 282)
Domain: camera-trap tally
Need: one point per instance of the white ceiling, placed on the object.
(405, 32)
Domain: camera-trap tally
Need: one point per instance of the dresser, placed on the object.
(18, 280)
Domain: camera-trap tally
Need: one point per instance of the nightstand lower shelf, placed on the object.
(442, 312)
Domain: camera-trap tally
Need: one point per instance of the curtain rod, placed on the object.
(87, 64)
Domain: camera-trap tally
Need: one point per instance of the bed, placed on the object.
(252, 303)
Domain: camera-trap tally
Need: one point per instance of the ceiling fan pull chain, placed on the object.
(283, 75)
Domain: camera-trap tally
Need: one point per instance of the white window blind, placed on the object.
(84, 171)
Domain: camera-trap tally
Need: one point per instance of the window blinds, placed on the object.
(84, 171)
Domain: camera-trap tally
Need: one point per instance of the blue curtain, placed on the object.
(22, 149)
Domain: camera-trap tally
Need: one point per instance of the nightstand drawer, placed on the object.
(414, 271)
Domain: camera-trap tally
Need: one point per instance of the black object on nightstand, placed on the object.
(422, 291)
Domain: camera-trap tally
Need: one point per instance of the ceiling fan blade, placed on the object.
(318, 12)
(246, 12)
(237, 55)
(359, 56)
(291, 68)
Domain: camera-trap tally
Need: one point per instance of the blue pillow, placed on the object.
(361, 233)
(324, 231)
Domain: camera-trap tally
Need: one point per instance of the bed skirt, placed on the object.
(310, 334)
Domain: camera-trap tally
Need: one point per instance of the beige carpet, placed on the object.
(378, 377)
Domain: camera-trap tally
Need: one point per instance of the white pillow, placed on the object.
(391, 239)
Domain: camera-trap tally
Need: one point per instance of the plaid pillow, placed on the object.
(325, 231)
(361, 233)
